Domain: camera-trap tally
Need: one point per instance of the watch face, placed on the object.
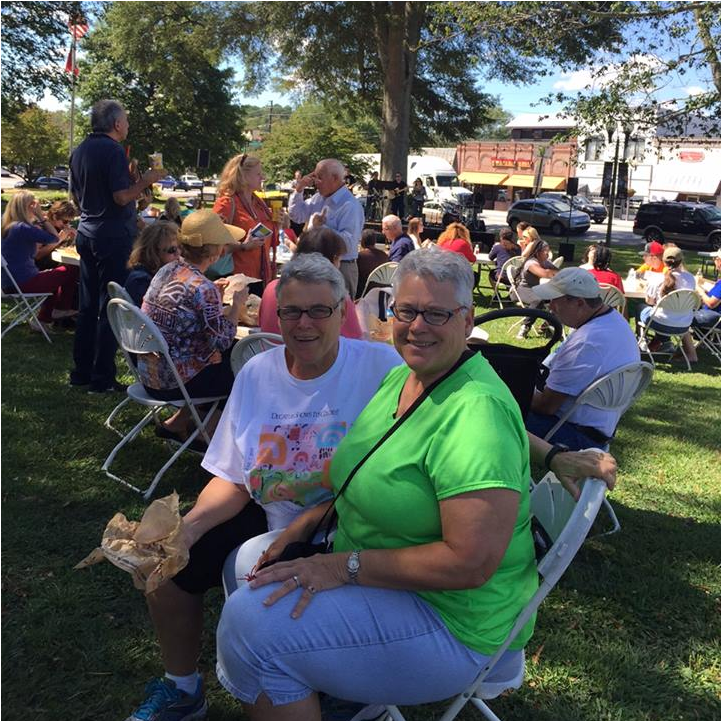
(353, 563)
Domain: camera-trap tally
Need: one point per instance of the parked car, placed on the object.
(686, 224)
(597, 211)
(554, 215)
(45, 182)
(189, 182)
(61, 171)
(167, 183)
(441, 212)
(6, 173)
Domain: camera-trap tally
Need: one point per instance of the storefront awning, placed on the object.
(553, 182)
(701, 178)
(475, 178)
(519, 181)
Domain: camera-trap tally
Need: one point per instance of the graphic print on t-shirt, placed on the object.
(293, 461)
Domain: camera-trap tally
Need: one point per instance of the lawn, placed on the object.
(631, 634)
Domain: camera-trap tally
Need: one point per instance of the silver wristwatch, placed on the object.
(353, 566)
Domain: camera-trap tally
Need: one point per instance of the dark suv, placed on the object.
(686, 224)
(597, 211)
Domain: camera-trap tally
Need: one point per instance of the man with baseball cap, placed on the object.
(652, 258)
(601, 342)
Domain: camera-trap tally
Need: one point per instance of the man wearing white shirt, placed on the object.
(335, 206)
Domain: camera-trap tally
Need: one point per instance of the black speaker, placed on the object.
(622, 181)
(566, 250)
(203, 159)
(607, 178)
(572, 186)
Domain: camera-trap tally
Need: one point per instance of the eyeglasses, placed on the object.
(170, 251)
(406, 314)
(316, 312)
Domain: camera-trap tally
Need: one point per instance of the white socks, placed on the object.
(189, 684)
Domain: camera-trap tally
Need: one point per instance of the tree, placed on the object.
(35, 39)
(32, 140)
(161, 61)
(309, 134)
(496, 128)
(414, 64)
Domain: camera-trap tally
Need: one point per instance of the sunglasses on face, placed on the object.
(316, 312)
(172, 250)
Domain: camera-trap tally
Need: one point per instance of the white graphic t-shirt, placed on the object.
(277, 434)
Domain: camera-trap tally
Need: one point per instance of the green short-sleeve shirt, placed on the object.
(467, 436)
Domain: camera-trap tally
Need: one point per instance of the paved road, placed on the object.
(622, 233)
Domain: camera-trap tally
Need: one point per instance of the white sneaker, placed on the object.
(38, 325)
(523, 333)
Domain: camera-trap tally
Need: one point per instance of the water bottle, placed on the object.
(699, 274)
(631, 275)
(477, 249)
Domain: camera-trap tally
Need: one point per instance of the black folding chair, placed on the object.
(521, 369)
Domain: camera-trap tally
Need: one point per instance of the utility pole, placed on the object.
(270, 117)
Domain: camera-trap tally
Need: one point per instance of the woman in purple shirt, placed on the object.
(24, 228)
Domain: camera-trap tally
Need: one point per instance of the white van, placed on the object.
(438, 176)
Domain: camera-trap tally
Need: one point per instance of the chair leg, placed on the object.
(484, 709)
(116, 410)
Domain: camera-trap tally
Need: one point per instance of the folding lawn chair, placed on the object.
(137, 334)
(380, 277)
(566, 524)
(115, 290)
(515, 262)
(22, 306)
(250, 346)
(709, 336)
(613, 297)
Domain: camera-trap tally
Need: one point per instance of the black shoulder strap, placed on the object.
(466, 355)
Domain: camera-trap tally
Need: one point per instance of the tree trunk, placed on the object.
(397, 28)
(709, 46)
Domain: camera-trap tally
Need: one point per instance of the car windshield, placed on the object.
(447, 181)
(711, 213)
(559, 206)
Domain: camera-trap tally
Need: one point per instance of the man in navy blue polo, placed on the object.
(106, 196)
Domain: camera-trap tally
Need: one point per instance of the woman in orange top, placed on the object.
(238, 205)
(457, 238)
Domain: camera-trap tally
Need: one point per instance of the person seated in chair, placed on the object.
(711, 311)
(401, 244)
(602, 341)
(502, 251)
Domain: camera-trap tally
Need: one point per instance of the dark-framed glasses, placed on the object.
(434, 316)
(316, 312)
(172, 250)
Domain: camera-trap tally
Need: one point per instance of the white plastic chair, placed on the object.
(380, 276)
(677, 301)
(617, 390)
(368, 308)
(137, 334)
(709, 337)
(613, 297)
(515, 262)
(558, 262)
(22, 306)
(115, 290)
(567, 524)
(250, 346)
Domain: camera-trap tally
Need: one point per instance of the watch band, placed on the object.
(353, 566)
(555, 450)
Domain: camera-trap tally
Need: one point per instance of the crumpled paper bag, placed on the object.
(379, 330)
(250, 311)
(151, 551)
(236, 283)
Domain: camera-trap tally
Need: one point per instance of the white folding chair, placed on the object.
(612, 296)
(709, 337)
(137, 334)
(380, 276)
(617, 390)
(250, 346)
(115, 290)
(515, 262)
(21, 306)
(676, 301)
(558, 262)
(371, 308)
(567, 524)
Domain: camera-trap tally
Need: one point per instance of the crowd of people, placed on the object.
(432, 555)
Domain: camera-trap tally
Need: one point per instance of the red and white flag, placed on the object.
(70, 66)
(78, 28)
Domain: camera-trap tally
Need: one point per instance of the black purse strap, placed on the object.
(466, 355)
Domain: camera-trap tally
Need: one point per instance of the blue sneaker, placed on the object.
(336, 709)
(165, 702)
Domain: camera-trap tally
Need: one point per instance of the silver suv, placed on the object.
(554, 215)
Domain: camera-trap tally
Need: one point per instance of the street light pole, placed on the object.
(612, 195)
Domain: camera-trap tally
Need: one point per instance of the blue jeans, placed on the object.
(101, 260)
(705, 317)
(568, 434)
(662, 331)
(358, 643)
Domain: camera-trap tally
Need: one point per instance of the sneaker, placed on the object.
(666, 348)
(38, 325)
(78, 380)
(165, 702)
(336, 709)
(523, 333)
(112, 387)
(643, 346)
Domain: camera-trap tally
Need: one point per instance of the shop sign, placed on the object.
(691, 156)
(511, 163)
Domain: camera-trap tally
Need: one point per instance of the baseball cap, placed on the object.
(570, 281)
(204, 227)
(652, 248)
(674, 254)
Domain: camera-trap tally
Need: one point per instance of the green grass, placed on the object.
(631, 634)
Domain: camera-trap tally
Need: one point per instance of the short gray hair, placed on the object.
(312, 268)
(334, 167)
(441, 265)
(104, 114)
(393, 221)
